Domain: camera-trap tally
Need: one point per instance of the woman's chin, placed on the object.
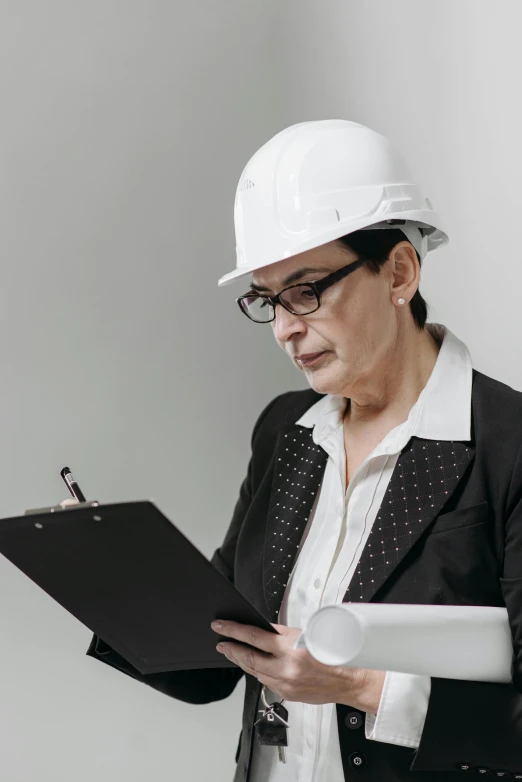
(321, 382)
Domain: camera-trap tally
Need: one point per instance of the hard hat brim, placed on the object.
(437, 238)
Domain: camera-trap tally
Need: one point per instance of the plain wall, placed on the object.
(442, 81)
(125, 128)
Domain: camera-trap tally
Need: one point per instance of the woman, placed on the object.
(397, 477)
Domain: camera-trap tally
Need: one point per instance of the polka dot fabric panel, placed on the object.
(426, 474)
(299, 470)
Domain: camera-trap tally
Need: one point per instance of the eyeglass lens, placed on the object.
(300, 299)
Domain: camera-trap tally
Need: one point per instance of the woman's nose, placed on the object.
(286, 324)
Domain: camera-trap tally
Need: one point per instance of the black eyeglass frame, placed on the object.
(318, 287)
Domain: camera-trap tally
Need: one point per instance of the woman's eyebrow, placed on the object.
(294, 277)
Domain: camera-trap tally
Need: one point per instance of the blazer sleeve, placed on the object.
(199, 685)
(477, 726)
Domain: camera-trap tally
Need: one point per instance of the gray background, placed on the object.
(125, 126)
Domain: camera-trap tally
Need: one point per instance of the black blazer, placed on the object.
(466, 550)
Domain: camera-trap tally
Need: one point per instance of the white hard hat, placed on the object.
(317, 181)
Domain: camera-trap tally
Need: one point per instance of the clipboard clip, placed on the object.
(57, 508)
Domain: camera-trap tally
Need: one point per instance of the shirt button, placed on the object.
(482, 770)
(309, 742)
(353, 720)
(500, 772)
(357, 760)
(464, 766)
(317, 583)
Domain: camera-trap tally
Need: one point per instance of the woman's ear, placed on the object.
(405, 270)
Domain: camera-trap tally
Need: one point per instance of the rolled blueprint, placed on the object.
(452, 642)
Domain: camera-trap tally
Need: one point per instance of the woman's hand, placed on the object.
(293, 673)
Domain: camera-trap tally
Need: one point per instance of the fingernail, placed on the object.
(220, 648)
(216, 625)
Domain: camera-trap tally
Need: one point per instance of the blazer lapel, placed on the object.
(299, 470)
(426, 474)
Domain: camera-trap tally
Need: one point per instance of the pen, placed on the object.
(71, 484)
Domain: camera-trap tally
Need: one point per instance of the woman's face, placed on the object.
(357, 324)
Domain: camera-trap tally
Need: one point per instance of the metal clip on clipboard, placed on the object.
(56, 508)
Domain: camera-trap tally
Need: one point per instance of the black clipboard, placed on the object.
(128, 573)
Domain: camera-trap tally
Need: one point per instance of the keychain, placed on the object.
(272, 726)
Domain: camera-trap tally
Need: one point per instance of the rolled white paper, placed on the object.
(452, 642)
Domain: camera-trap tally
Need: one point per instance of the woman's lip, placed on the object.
(309, 358)
(306, 356)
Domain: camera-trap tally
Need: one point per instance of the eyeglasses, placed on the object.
(301, 299)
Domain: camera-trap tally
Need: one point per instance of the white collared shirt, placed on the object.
(334, 538)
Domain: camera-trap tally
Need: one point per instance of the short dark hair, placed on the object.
(376, 247)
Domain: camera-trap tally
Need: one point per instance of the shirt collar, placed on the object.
(442, 410)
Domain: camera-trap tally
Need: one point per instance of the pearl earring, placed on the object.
(400, 301)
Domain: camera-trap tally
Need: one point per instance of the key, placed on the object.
(271, 728)
(272, 725)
